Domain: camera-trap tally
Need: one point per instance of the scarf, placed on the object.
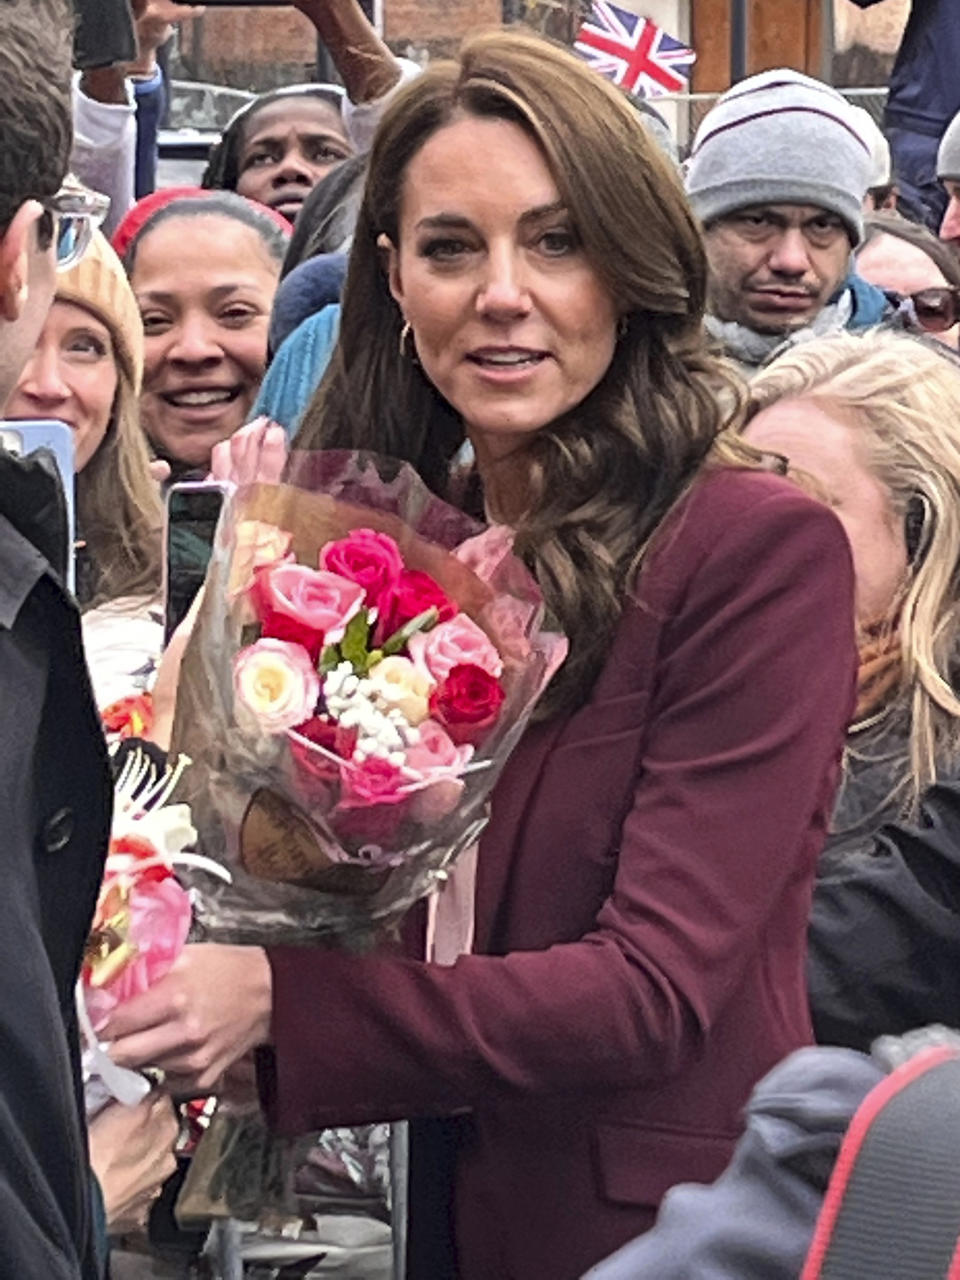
(750, 349)
(878, 674)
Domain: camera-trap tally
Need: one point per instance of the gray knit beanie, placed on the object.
(948, 157)
(780, 138)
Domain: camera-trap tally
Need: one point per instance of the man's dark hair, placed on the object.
(36, 42)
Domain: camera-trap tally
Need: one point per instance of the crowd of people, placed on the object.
(715, 397)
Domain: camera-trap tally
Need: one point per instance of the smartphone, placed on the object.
(104, 35)
(193, 509)
(22, 438)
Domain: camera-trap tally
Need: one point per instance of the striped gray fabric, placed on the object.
(780, 138)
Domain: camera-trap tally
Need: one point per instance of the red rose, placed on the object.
(415, 593)
(371, 560)
(313, 766)
(467, 703)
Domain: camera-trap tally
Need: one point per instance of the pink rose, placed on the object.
(370, 559)
(372, 800)
(434, 767)
(457, 643)
(276, 685)
(306, 606)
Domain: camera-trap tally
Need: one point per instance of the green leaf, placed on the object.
(329, 659)
(353, 646)
(422, 622)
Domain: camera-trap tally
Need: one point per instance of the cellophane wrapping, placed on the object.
(300, 872)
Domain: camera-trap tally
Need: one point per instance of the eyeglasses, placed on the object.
(74, 214)
(935, 309)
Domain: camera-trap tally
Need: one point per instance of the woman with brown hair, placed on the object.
(526, 274)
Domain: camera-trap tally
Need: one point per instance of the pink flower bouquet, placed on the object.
(364, 661)
(143, 914)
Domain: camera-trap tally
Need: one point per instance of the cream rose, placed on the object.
(257, 544)
(275, 684)
(397, 685)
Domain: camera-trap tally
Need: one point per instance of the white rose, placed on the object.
(397, 685)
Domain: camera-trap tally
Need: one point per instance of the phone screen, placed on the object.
(192, 514)
(23, 437)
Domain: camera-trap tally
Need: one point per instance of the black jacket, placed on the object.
(55, 798)
(885, 927)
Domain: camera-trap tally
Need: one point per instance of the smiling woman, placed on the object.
(204, 272)
(86, 371)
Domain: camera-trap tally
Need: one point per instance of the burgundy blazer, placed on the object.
(642, 901)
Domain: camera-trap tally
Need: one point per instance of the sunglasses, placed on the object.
(73, 215)
(935, 309)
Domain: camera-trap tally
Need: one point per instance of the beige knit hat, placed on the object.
(99, 284)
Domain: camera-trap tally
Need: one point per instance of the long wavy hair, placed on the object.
(603, 476)
(902, 395)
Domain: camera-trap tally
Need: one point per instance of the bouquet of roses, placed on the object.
(142, 917)
(364, 660)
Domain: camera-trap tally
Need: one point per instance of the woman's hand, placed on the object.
(212, 1007)
(256, 454)
(131, 1153)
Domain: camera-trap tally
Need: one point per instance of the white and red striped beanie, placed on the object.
(780, 137)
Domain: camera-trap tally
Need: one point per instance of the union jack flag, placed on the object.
(633, 52)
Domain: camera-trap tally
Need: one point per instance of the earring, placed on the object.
(405, 333)
(623, 325)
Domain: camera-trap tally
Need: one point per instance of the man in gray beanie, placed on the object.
(777, 175)
(948, 171)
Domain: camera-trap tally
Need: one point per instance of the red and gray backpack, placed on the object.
(892, 1208)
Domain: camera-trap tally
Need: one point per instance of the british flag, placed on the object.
(634, 52)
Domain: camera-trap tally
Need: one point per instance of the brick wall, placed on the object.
(436, 24)
(261, 48)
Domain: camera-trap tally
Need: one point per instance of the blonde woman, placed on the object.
(86, 370)
(874, 422)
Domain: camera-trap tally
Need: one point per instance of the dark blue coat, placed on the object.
(925, 83)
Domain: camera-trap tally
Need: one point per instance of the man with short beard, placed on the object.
(777, 175)
(55, 790)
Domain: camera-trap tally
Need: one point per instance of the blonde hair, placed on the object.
(118, 504)
(601, 477)
(902, 394)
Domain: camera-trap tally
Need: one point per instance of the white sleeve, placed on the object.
(104, 155)
(361, 118)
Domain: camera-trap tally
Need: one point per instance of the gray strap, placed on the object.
(899, 1217)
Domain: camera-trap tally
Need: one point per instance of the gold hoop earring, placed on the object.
(405, 333)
